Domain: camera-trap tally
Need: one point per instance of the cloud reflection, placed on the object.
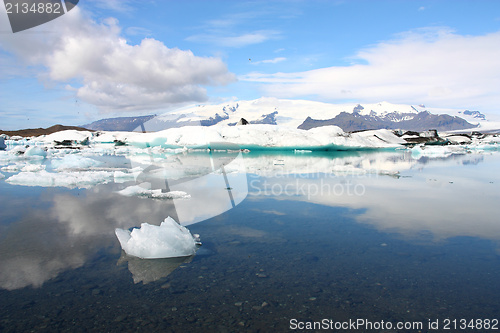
(448, 196)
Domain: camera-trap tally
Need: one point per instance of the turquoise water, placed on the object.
(318, 237)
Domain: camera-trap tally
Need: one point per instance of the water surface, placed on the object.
(374, 235)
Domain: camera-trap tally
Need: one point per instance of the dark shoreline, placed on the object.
(42, 131)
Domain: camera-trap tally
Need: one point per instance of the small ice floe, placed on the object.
(130, 175)
(136, 190)
(35, 151)
(12, 168)
(33, 167)
(74, 161)
(2, 176)
(17, 151)
(390, 173)
(2, 143)
(168, 240)
(279, 162)
(61, 179)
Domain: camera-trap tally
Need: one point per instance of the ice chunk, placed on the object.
(137, 190)
(71, 135)
(35, 151)
(169, 240)
(74, 161)
(2, 176)
(12, 168)
(436, 151)
(18, 150)
(33, 167)
(122, 177)
(2, 143)
(79, 179)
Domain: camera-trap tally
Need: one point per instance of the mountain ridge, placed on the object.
(302, 114)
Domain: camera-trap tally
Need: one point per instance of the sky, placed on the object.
(134, 57)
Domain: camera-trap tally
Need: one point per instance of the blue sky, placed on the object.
(124, 58)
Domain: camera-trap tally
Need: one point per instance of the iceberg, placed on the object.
(436, 151)
(168, 240)
(260, 136)
(2, 143)
(12, 168)
(137, 190)
(123, 177)
(74, 161)
(33, 167)
(66, 135)
(43, 178)
(35, 151)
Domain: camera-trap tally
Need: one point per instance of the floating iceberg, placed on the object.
(2, 143)
(35, 151)
(74, 161)
(137, 190)
(252, 136)
(131, 175)
(169, 240)
(43, 178)
(70, 135)
(33, 167)
(436, 151)
(12, 168)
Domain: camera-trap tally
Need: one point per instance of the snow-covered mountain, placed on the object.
(305, 114)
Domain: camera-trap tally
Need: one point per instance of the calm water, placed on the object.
(336, 236)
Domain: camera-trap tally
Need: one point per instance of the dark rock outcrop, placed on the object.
(421, 121)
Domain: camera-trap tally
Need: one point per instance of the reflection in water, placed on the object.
(150, 270)
(45, 242)
(454, 195)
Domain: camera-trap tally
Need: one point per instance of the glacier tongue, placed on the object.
(168, 240)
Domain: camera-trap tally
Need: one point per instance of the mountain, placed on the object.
(351, 122)
(304, 115)
(126, 124)
(41, 131)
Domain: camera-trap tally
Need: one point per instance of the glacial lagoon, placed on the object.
(290, 239)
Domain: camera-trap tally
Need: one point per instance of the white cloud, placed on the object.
(138, 31)
(116, 5)
(221, 39)
(111, 73)
(434, 66)
(270, 61)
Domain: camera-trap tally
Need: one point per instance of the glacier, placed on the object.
(168, 240)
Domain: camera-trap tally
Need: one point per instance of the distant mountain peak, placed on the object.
(302, 114)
